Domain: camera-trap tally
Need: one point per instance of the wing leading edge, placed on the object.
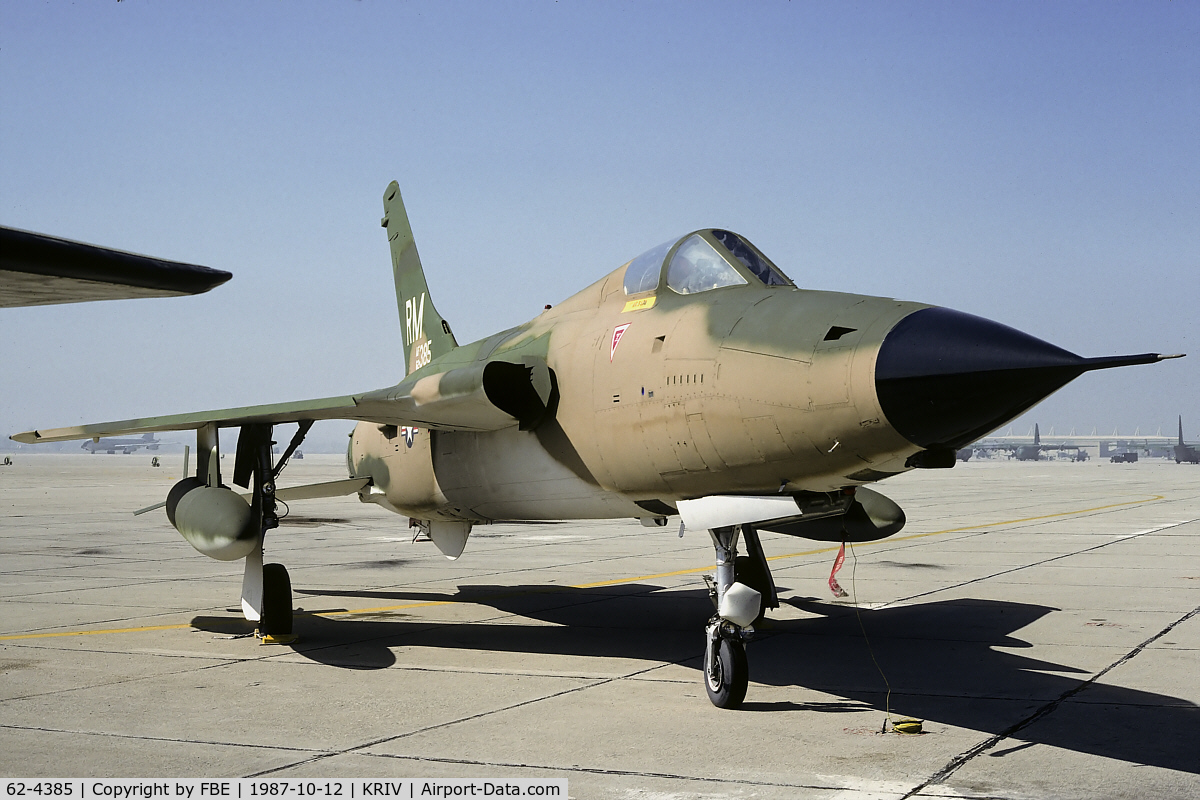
(480, 397)
(324, 408)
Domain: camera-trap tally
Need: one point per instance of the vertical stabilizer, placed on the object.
(426, 335)
(1181, 430)
(1037, 436)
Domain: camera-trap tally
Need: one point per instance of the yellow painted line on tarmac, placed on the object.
(60, 634)
(613, 582)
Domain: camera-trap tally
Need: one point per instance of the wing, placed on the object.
(324, 408)
(481, 397)
(38, 270)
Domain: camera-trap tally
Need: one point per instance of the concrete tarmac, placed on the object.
(1040, 618)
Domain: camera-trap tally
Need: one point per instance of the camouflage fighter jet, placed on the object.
(696, 380)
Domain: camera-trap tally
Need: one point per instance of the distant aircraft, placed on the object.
(1184, 452)
(1147, 445)
(126, 446)
(1033, 452)
(695, 380)
(36, 270)
(1026, 452)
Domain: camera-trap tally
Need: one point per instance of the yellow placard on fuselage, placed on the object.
(640, 304)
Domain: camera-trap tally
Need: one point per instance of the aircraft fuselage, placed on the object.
(748, 389)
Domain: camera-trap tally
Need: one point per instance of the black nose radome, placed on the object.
(945, 378)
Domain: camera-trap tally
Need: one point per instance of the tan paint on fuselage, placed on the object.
(402, 473)
(730, 390)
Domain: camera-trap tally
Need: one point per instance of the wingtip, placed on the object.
(1162, 357)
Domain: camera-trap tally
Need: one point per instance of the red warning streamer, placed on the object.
(834, 587)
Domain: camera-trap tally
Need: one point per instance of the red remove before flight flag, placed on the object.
(837, 590)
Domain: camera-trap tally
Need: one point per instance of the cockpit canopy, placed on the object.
(700, 262)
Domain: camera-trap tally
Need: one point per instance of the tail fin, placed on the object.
(1037, 436)
(1181, 430)
(426, 335)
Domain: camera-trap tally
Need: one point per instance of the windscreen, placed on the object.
(751, 259)
(697, 267)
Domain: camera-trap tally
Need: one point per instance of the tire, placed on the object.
(748, 571)
(277, 601)
(727, 688)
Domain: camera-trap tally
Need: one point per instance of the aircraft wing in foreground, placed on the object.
(38, 270)
(696, 380)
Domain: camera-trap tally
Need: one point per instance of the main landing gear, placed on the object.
(742, 591)
(266, 588)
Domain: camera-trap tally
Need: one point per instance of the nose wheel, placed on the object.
(726, 673)
(741, 590)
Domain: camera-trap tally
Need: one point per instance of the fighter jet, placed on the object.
(694, 381)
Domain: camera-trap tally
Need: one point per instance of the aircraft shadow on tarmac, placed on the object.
(947, 662)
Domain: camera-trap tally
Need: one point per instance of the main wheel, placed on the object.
(747, 570)
(277, 601)
(727, 678)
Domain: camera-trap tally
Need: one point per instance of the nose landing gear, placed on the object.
(739, 605)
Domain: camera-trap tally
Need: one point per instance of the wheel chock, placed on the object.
(284, 638)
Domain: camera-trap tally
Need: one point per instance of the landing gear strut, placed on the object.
(266, 588)
(739, 605)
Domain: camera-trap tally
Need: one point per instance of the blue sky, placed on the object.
(1035, 163)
